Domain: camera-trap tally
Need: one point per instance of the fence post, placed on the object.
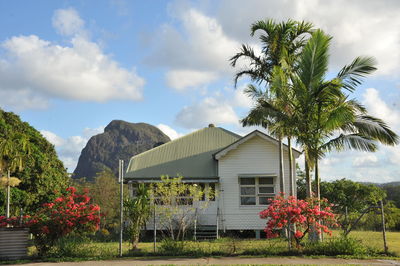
(121, 180)
(154, 226)
(383, 227)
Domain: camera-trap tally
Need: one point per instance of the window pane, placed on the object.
(247, 190)
(248, 201)
(264, 200)
(247, 181)
(263, 190)
(266, 181)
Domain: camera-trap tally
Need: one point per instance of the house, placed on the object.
(243, 170)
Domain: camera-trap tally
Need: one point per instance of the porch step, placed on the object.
(205, 232)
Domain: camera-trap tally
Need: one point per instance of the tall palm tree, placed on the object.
(281, 45)
(323, 110)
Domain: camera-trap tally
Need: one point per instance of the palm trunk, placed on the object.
(291, 175)
(317, 181)
(281, 171)
(308, 178)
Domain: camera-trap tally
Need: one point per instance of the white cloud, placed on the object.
(240, 99)
(377, 107)
(52, 138)
(361, 28)
(365, 160)
(169, 131)
(183, 79)
(22, 99)
(200, 52)
(33, 67)
(69, 149)
(67, 22)
(209, 111)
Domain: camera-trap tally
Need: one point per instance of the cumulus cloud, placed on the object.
(69, 149)
(362, 28)
(183, 79)
(209, 110)
(33, 67)
(169, 131)
(197, 54)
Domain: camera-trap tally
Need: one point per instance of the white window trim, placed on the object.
(257, 187)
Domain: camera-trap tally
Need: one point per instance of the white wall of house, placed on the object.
(256, 156)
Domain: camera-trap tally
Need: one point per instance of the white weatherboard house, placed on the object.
(243, 170)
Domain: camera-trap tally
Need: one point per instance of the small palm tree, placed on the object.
(14, 149)
(138, 210)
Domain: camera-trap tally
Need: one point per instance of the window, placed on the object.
(256, 190)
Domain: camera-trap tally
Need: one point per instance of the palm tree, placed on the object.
(14, 149)
(323, 109)
(281, 45)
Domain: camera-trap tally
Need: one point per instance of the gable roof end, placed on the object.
(221, 153)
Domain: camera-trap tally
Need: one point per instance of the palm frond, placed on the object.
(313, 63)
(352, 74)
(377, 129)
(349, 142)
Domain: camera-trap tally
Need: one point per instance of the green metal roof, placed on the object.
(190, 156)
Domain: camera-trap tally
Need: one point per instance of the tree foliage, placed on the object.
(301, 215)
(69, 213)
(138, 210)
(177, 204)
(42, 175)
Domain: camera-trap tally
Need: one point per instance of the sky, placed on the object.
(70, 67)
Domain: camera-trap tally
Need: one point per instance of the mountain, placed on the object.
(120, 140)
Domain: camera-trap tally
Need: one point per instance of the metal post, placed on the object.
(154, 227)
(218, 222)
(195, 225)
(121, 182)
(383, 228)
(8, 195)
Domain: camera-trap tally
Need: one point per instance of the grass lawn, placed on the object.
(220, 247)
(375, 240)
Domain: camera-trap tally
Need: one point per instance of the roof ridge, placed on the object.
(168, 143)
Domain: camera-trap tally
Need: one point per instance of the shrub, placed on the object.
(338, 246)
(70, 213)
(172, 247)
(305, 215)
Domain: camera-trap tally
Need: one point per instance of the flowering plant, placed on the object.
(303, 215)
(66, 214)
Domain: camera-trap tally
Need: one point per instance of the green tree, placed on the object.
(176, 205)
(281, 45)
(138, 210)
(42, 175)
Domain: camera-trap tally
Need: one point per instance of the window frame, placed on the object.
(257, 187)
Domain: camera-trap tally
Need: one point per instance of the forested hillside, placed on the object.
(33, 160)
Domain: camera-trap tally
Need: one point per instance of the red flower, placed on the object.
(298, 234)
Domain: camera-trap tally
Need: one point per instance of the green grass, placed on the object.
(375, 240)
(221, 247)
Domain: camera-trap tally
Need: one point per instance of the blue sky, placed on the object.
(70, 67)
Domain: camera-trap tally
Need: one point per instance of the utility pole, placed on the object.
(121, 182)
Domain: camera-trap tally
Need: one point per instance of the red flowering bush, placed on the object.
(300, 214)
(66, 214)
